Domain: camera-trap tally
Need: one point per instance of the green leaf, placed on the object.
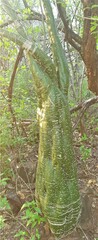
(38, 210)
(37, 234)
(4, 203)
(32, 238)
(95, 6)
(29, 222)
(93, 28)
(2, 220)
(34, 224)
(21, 233)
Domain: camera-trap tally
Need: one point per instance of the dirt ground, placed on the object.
(21, 187)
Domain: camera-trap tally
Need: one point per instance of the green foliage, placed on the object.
(94, 26)
(21, 234)
(3, 180)
(5, 164)
(84, 137)
(33, 214)
(2, 222)
(97, 44)
(24, 95)
(33, 218)
(5, 130)
(84, 89)
(4, 205)
(24, 104)
(94, 23)
(85, 152)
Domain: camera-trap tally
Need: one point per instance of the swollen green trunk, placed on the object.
(56, 181)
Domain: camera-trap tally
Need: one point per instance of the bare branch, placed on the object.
(25, 4)
(74, 39)
(84, 105)
(6, 23)
(33, 17)
(10, 88)
(74, 44)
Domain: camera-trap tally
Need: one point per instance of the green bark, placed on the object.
(56, 179)
(56, 182)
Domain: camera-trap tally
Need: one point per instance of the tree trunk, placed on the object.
(90, 54)
(56, 179)
(86, 46)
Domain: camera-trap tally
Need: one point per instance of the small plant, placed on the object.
(85, 152)
(3, 180)
(33, 218)
(4, 205)
(84, 137)
(21, 234)
(2, 222)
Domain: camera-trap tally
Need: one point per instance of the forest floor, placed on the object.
(21, 187)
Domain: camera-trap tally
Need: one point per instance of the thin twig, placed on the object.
(43, 22)
(84, 107)
(83, 232)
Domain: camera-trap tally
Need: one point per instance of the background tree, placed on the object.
(86, 44)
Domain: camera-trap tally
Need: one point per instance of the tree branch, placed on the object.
(42, 59)
(10, 88)
(6, 23)
(25, 4)
(84, 105)
(33, 16)
(74, 39)
(74, 44)
(15, 15)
